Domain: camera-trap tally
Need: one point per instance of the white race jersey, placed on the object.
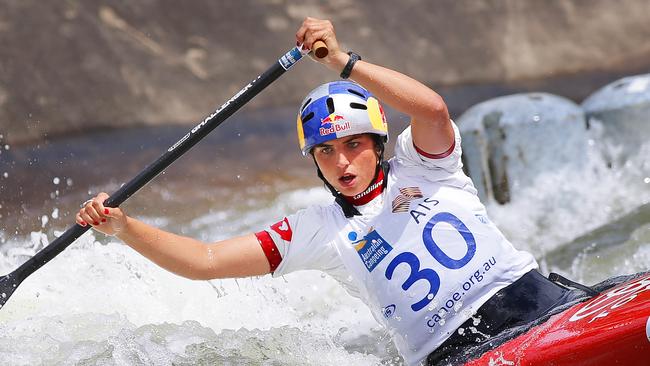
(423, 255)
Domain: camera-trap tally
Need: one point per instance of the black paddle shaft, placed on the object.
(10, 282)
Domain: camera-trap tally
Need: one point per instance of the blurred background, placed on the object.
(77, 66)
(93, 91)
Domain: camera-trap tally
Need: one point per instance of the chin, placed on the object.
(351, 191)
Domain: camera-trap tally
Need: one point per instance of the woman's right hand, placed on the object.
(108, 220)
(313, 30)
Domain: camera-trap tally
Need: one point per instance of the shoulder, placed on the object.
(408, 154)
(318, 212)
(446, 170)
(303, 239)
(313, 222)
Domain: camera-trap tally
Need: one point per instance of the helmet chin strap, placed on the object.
(348, 208)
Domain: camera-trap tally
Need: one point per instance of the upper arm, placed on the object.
(430, 121)
(433, 134)
(283, 247)
(438, 167)
(235, 257)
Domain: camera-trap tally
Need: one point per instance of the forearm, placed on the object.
(398, 90)
(430, 124)
(178, 254)
(402, 93)
(431, 128)
(235, 257)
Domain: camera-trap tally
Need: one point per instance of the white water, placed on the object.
(105, 304)
(100, 303)
(564, 204)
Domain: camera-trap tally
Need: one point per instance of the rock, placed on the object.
(623, 109)
(508, 141)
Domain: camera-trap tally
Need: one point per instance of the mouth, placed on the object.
(347, 180)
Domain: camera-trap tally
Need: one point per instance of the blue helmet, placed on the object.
(338, 109)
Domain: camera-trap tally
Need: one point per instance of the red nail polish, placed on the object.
(103, 220)
(95, 223)
(83, 223)
(106, 211)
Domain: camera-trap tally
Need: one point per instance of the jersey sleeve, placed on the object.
(297, 242)
(410, 155)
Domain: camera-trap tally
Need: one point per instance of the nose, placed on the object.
(342, 160)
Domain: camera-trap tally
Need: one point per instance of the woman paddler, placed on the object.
(410, 230)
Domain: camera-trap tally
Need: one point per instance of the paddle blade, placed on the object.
(8, 285)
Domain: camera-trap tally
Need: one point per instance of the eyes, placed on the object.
(328, 149)
(323, 150)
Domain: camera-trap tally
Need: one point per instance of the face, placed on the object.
(348, 163)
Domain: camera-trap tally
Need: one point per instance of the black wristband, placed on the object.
(347, 70)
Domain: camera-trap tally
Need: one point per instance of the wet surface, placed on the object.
(246, 151)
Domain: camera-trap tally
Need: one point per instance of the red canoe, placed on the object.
(613, 328)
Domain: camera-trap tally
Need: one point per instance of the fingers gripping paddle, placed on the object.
(10, 282)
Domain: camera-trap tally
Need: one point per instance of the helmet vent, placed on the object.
(356, 92)
(358, 106)
(330, 105)
(308, 117)
(305, 105)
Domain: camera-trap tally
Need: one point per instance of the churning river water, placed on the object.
(101, 303)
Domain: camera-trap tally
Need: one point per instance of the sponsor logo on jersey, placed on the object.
(402, 203)
(283, 229)
(482, 218)
(388, 311)
(332, 124)
(369, 189)
(372, 248)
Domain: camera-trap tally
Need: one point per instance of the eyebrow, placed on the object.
(359, 135)
(348, 139)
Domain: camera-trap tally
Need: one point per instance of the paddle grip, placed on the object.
(320, 49)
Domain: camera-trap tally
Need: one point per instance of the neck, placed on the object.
(375, 188)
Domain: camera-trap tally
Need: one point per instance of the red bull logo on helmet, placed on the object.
(332, 124)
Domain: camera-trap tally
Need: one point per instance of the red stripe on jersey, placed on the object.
(283, 229)
(269, 248)
(435, 156)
